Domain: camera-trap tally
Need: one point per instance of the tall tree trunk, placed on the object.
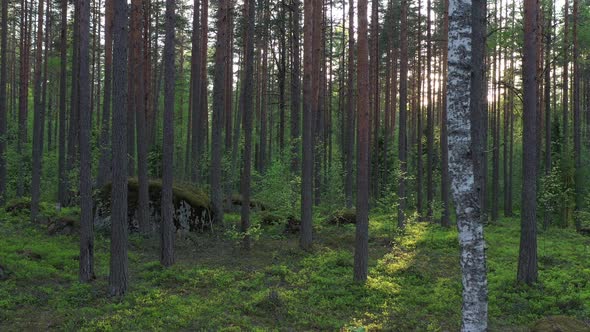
(305, 240)
(3, 109)
(61, 167)
(221, 53)
(527, 258)
(350, 110)
(403, 104)
(429, 120)
(23, 94)
(444, 141)
(246, 103)
(39, 118)
(119, 269)
(204, 105)
(478, 108)
(579, 187)
(137, 89)
(317, 87)
(374, 99)
(463, 19)
(86, 202)
(282, 73)
(74, 128)
(547, 92)
(168, 228)
(295, 86)
(195, 93)
(104, 163)
(361, 249)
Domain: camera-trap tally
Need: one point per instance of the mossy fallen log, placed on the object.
(192, 207)
(343, 216)
(560, 324)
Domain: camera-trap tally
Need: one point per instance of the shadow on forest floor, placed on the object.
(414, 281)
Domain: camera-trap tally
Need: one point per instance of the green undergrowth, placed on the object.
(414, 281)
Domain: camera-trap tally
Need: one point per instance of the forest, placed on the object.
(286, 165)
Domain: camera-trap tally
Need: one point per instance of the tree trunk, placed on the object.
(305, 240)
(137, 88)
(350, 111)
(579, 187)
(403, 104)
(3, 109)
(478, 109)
(527, 258)
(86, 202)
(204, 105)
(444, 141)
(429, 121)
(104, 163)
(195, 93)
(119, 269)
(61, 167)
(74, 128)
(295, 87)
(547, 92)
(462, 16)
(246, 103)
(221, 53)
(168, 228)
(361, 250)
(23, 94)
(39, 118)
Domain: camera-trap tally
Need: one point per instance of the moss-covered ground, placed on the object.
(414, 281)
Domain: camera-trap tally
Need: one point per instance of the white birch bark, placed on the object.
(466, 199)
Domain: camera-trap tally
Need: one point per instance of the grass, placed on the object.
(414, 281)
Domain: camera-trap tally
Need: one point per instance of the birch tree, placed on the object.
(463, 188)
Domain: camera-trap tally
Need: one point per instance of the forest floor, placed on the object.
(414, 281)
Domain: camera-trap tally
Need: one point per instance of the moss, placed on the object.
(270, 218)
(194, 197)
(560, 324)
(236, 199)
(343, 216)
(414, 282)
(293, 225)
(18, 205)
(585, 231)
(65, 225)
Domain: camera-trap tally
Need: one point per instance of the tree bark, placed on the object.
(104, 163)
(221, 53)
(246, 103)
(350, 111)
(462, 17)
(444, 141)
(403, 104)
(86, 203)
(23, 94)
(3, 109)
(168, 228)
(61, 167)
(527, 258)
(119, 269)
(39, 118)
(305, 240)
(137, 88)
(73, 156)
(579, 187)
(195, 93)
(361, 250)
(295, 87)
